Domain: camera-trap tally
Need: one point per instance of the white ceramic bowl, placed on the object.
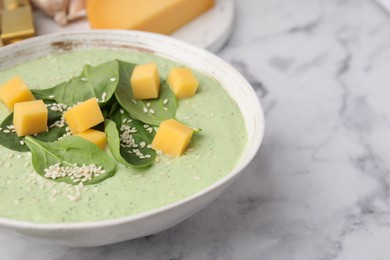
(150, 222)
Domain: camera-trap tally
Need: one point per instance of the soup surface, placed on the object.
(26, 196)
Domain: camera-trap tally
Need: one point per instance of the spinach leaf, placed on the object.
(57, 129)
(95, 81)
(67, 152)
(129, 140)
(152, 111)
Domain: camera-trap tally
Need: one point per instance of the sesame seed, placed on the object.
(121, 111)
(6, 131)
(18, 156)
(151, 111)
(134, 101)
(83, 79)
(51, 96)
(145, 111)
(75, 173)
(112, 79)
(165, 108)
(22, 142)
(165, 101)
(148, 104)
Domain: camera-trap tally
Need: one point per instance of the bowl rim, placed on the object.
(241, 164)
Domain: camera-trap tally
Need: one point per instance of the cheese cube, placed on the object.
(144, 15)
(83, 116)
(182, 82)
(145, 81)
(30, 117)
(97, 137)
(14, 91)
(172, 137)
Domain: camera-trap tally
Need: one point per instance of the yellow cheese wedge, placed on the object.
(182, 82)
(145, 81)
(14, 91)
(30, 117)
(160, 16)
(172, 138)
(83, 116)
(97, 137)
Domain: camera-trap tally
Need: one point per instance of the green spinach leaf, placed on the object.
(152, 111)
(67, 152)
(95, 81)
(129, 140)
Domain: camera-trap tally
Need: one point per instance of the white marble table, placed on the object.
(320, 186)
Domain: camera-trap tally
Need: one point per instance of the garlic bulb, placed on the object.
(63, 11)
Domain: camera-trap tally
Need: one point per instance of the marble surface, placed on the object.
(319, 187)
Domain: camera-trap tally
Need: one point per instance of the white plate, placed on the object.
(209, 31)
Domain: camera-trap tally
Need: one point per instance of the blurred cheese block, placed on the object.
(160, 16)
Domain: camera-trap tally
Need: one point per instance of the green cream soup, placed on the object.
(27, 196)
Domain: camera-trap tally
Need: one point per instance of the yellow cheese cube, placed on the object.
(144, 15)
(97, 137)
(14, 91)
(145, 81)
(182, 82)
(83, 116)
(30, 117)
(172, 138)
